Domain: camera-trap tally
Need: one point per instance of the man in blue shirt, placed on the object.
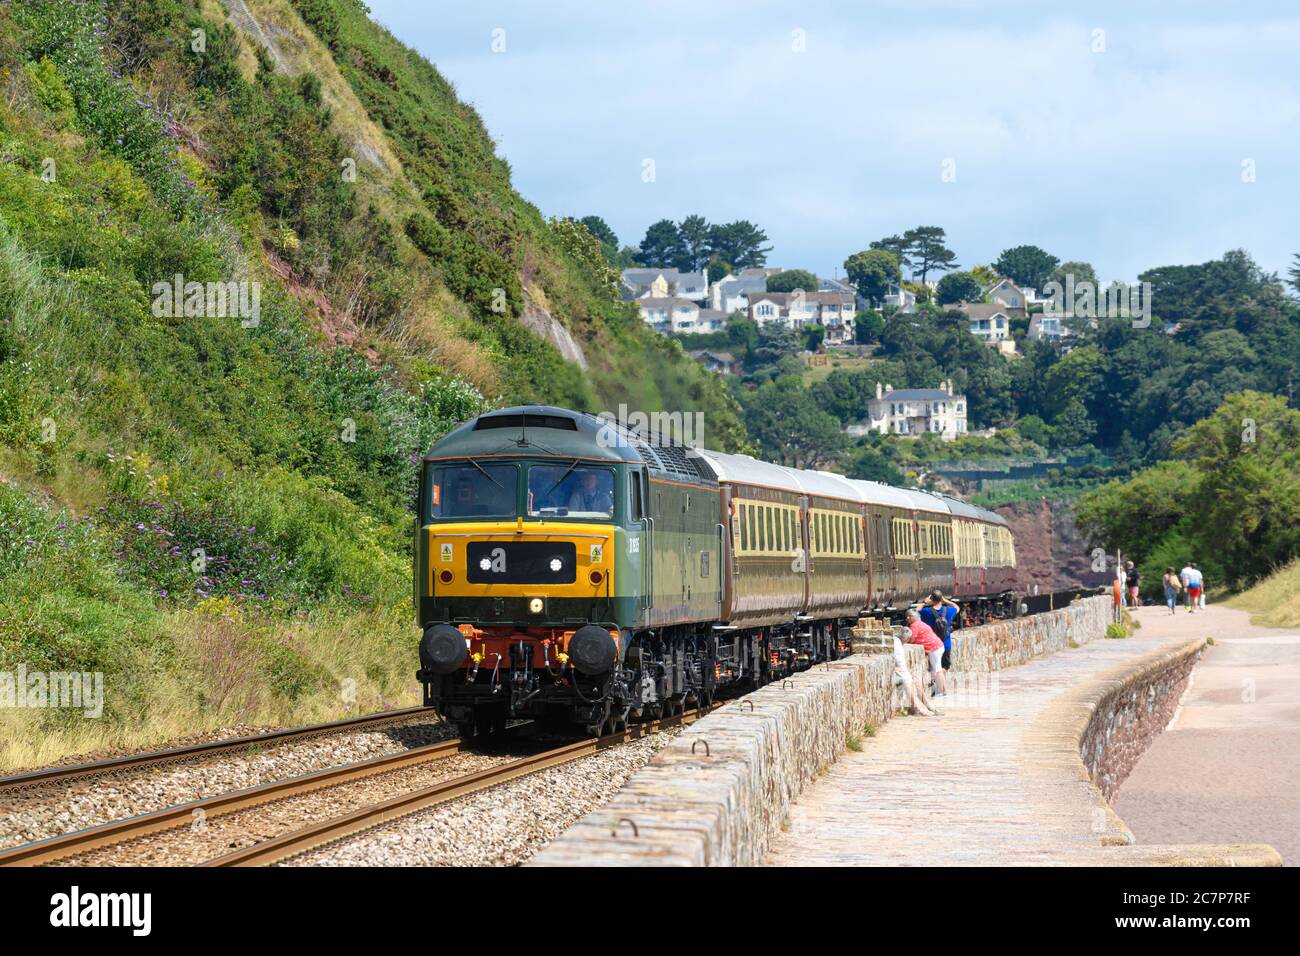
(941, 614)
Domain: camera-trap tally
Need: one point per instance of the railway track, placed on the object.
(294, 843)
(152, 758)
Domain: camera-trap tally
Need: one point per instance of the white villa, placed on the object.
(915, 411)
(833, 311)
(677, 315)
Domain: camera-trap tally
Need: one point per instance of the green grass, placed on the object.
(848, 363)
(1275, 601)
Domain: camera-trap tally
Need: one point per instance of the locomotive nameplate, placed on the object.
(521, 562)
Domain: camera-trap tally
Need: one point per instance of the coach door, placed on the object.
(884, 567)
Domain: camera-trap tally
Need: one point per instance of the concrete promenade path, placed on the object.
(1227, 769)
(982, 784)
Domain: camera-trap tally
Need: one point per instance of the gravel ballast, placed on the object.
(503, 826)
(49, 810)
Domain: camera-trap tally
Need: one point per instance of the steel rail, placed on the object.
(147, 758)
(298, 842)
(169, 818)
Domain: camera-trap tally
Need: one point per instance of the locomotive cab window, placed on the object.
(573, 491)
(636, 496)
(473, 491)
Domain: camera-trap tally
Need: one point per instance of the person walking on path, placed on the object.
(1134, 582)
(1172, 586)
(924, 635)
(1192, 581)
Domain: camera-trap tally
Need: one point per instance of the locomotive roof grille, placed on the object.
(526, 421)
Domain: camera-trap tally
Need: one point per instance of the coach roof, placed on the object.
(742, 469)
(878, 493)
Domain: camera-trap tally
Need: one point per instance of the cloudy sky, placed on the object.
(1126, 134)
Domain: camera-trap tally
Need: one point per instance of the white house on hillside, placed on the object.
(663, 283)
(1010, 296)
(676, 315)
(833, 311)
(915, 411)
(991, 323)
(731, 293)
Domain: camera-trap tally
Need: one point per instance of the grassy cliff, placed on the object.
(210, 503)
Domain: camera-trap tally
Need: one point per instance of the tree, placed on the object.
(604, 235)
(717, 270)
(896, 245)
(1132, 515)
(1034, 429)
(1027, 266)
(1073, 379)
(693, 234)
(742, 335)
(1073, 427)
(662, 245)
(927, 252)
(870, 464)
(867, 326)
(791, 279)
(959, 287)
(871, 272)
(1247, 454)
(813, 334)
(789, 427)
(1082, 272)
(740, 243)
(1294, 273)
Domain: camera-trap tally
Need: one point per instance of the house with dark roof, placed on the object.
(912, 412)
(664, 283)
(721, 363)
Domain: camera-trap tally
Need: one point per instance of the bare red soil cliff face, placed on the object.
(1049, 549)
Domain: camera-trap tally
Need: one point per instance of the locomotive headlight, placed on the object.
(535, 605)
(556, 565)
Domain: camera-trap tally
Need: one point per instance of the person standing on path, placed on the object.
(1134, 581)
(1172, 586)
(941, 613)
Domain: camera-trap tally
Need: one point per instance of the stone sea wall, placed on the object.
(1130, 711)
(715, 795)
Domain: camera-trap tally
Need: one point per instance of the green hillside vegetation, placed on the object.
(213, 510)
(1274, 601)
(1228, 499)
